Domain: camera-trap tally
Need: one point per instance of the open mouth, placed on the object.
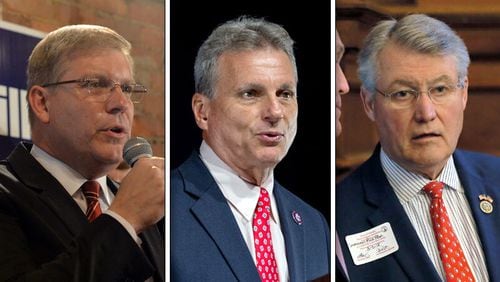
(116, 129)
(426, 135)
(271, 136)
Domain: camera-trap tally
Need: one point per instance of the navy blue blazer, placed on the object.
(365, 199)
(207, 245)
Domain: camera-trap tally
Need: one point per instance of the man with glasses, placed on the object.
(419, 209)
(61, 219)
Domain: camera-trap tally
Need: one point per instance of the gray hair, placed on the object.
(417, 32)
(242, 34)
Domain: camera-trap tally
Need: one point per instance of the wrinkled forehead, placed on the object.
(402, 65)
(67, 60)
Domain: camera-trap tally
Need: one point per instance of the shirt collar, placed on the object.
(407, 184)
(242, 195)
(69, 178)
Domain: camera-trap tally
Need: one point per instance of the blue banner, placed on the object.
(16, 44)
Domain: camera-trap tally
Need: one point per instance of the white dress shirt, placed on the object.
(71, 180)
(408, 188)
(242, 198)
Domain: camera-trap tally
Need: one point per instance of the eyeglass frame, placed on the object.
(144, 90)
(417, 93)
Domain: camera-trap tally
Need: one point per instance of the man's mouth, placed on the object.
(116, 129)
(271, 136)
(426, 135)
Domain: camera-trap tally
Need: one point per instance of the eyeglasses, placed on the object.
(101, 88)
(405, 98)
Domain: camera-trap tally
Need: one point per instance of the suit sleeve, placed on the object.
(103, 251)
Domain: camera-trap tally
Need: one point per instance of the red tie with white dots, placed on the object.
(264, 253)
(90, 190)
(451, 254)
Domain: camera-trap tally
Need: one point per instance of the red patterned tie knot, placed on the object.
(264, 253)
(90, 190)
(434, 189)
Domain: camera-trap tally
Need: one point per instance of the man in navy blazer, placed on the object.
(246, 105)
(414, 87)
(81, 92)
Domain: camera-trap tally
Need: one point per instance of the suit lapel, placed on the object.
(411, 255)
(56, 208)
(214, 214)
(488, 225)
(293, 234)
(216, 217)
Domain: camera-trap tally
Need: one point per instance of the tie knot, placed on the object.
(263, 191)
(264, 200)
(434, 189)
(91, 189)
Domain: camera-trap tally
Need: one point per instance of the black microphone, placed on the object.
(136, 148)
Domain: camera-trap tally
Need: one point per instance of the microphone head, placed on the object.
(136, 148)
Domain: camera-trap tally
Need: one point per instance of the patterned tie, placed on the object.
(264, 253)
(452, 256)
(90, 190)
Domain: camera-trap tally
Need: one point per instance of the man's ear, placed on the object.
(39, 103)
(200, 106)
(368, 103)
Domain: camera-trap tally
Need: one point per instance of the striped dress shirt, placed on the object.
(408, 188)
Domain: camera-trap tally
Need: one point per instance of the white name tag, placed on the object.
(372, 244)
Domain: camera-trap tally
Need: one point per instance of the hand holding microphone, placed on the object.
(141, 196)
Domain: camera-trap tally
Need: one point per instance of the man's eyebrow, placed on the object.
(288, 86)
(442, 78)
(411, 83)
(403, 82)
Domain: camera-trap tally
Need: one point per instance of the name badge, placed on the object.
(372, 244)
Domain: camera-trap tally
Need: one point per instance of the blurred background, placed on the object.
(142, 22)
(476, 22)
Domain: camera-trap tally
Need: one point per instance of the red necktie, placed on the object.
(264, 253)
(452, 257)
(90, 190)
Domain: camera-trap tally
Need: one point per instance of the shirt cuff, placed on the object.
(125, 225)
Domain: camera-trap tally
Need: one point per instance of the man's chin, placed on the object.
(271, 158)
(109, 156)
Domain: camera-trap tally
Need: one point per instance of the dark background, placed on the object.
(305, 171)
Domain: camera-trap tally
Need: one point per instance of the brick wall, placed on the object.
(139, 21)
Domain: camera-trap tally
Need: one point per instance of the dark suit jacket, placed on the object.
(207, 245)
(365, 199)
(45, 236)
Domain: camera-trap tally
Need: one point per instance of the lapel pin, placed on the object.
(486, 203)
(297, 218)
